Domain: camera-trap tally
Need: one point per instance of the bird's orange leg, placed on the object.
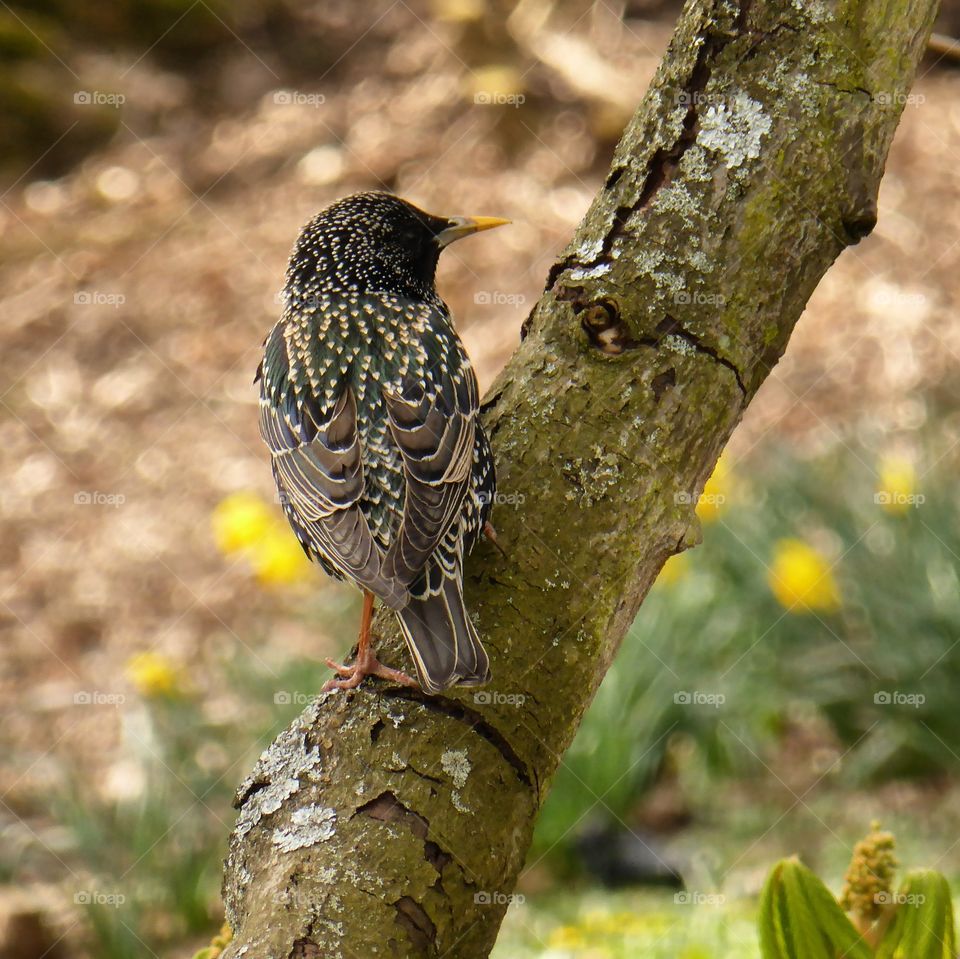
(491, 534)
(366, 663)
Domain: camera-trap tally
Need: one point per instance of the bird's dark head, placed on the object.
(374, 242)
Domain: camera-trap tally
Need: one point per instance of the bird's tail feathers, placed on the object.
(442, 640)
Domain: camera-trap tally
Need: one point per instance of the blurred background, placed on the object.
(791, 679)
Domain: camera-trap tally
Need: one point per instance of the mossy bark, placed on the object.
(387, 823)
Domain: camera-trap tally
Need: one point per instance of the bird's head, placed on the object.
(375, 242)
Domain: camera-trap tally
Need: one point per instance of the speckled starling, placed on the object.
(368, 403)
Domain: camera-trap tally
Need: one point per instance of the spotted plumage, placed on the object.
(368, 403)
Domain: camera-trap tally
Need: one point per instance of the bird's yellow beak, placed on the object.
(461, 226)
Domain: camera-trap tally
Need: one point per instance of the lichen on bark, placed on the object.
(384, 822)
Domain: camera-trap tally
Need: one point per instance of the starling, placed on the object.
(368, 403)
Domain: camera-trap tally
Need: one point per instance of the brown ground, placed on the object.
(150, 398)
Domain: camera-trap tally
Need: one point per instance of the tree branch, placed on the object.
(384, 822)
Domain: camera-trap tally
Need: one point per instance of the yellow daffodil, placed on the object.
(153, 674)
(278, 559)
(676, 568)
(896, 485)
(247, 524)
(715, 492)
(567, 937)
(240, 521)
(800, 578)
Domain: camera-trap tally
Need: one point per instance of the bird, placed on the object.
(369, 407)
(617, 855)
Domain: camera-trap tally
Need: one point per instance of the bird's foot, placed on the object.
(365, 665)
(491, 534)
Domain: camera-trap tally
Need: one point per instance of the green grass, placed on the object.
(625, 925)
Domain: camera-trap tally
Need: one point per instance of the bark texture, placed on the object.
(387, 823)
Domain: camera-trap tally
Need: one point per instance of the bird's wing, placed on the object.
(317, 463)
(433, 422)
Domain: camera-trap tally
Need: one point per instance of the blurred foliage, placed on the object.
(800, 919)
(148, 855)
(821, 601)
(624, 925)
(62, 64)
(817, 603)
(923, 924)
(822, 604)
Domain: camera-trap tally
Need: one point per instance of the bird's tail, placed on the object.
(444, 644)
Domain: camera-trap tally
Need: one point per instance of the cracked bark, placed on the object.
(384, 822)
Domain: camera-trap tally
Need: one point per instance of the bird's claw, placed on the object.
(365, 665)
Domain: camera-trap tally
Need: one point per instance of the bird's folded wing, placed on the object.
(433, 423)
(317, 462)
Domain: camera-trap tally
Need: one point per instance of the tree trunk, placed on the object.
(387, 823)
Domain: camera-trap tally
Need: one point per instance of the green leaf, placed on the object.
(922, 926)
(800, 919)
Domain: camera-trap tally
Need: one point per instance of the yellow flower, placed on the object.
(567, 937)
(869, 879)
(277, 558)
(245, 523)
(496, 83)
(801, 579)
(457, 11)
(715, 492)
(153, 674)
(596, 921)
(896, 485)
(677, 567)
(240, 521)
